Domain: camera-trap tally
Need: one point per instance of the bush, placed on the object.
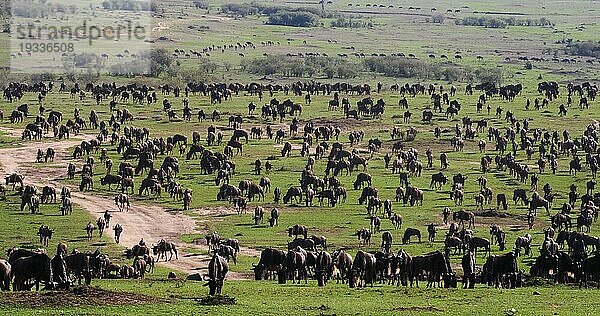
(129, 69)
(239, 9)
(589, 49)
(289, 18)
(129, 5)
(308, 67)
(201, 4)
(438, 18)
(528, 65)
(493, 22)
(351, 23)
(85, 59)
(159, 60)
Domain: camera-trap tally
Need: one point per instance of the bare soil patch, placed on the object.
(77, 296)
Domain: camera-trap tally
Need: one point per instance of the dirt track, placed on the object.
(151, 223)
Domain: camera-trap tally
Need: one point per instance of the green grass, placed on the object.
(269, 298)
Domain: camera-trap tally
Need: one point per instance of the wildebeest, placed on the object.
(79, 265)
(363, 270)
(323, 268)
(364, 236)
(217, 271)
(162, 248)
(298, 230)
(14, 179)
(386, 241)
(501, 270)
(342, 262)
(478, 242)
(468, 266)
(523, 242)
(45, 234)
(434, 264)
(294, 266)
(36, 266)
(306, 244)
(271, 260)
(5, 275)
(409, 232)
(463, 216)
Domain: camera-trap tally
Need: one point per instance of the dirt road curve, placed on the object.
(142, 221)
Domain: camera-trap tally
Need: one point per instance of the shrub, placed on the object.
(493, 22)
(159, 60)
(289, 18)
(437, 18)
(351, 23)
(129, 5)
(589, 49)
(201, 4)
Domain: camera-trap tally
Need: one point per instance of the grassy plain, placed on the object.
(396, 30)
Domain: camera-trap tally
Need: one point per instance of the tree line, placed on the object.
(587, 48)
(389, 66)
(494, 22)
(280, 15)
(130, 5)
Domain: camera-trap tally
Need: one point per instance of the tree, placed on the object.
(438, 18)
(159, 61)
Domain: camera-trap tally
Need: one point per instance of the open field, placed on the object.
(403, 28)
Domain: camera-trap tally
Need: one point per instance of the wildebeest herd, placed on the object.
(307, 255)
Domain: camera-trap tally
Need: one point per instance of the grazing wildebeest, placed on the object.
(319, 241)
(478, 242)
(409, 233)
(434, 264)
(14, 179)
(295, 266)
(37, 266)
(386, 241)
(438, 180)
(523, 242)
(463, 216)
(453, 242)
(306, 244)
(363, 270)
(468, 266)
(79, 265)
(342, 262)
(137, 251)
(217, 270)
(48, 194)
(323, 268)
(274, 217)
(271, 260)
(298, 230)
(501, 270)
(364, 236)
